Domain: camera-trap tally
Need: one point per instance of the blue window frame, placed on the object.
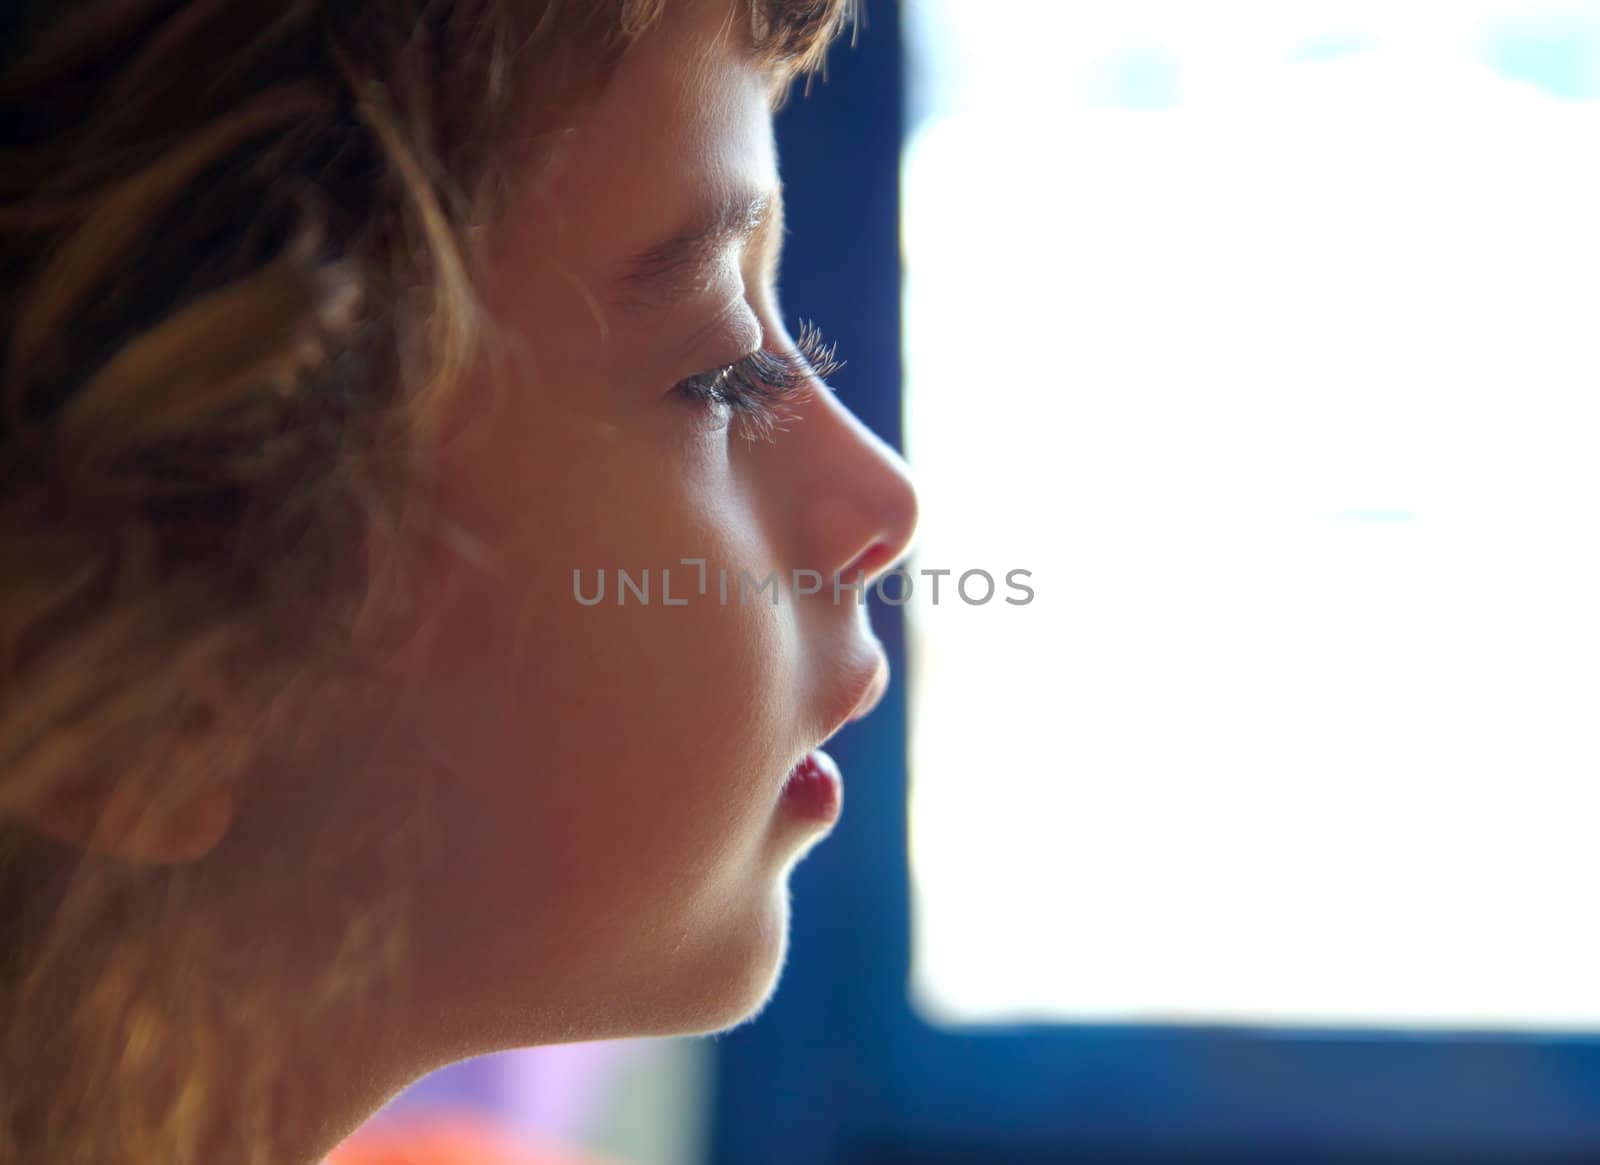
(839, 1070)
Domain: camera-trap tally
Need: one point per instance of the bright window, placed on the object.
(1264, 336)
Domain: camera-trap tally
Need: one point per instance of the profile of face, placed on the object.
(611, 838)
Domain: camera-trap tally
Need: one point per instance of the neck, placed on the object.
(238, 1101)
(176, 1019)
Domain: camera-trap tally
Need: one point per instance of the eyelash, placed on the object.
(758, 387)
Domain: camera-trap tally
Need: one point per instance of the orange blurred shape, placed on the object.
(454, 1140)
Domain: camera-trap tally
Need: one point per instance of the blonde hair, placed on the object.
(236, 255)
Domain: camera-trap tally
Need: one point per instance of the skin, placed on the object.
(608, 850)
(616, 769)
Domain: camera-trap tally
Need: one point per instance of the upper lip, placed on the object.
(862, 696)
(876, 687)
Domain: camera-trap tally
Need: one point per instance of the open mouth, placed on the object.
(814, 789)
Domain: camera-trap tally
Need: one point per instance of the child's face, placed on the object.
(613, 845)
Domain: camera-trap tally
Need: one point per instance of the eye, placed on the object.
(758, 388)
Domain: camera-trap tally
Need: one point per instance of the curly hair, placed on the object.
(237, 246)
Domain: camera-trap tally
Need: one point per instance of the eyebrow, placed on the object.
(678, 264)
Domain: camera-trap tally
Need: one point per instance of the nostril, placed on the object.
(896, 516)
(862, 512)
(870, 562)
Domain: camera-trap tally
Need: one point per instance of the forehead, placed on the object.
(684, 123)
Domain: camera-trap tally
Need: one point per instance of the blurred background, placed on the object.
(1259, 337)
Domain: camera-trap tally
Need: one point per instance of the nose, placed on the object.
(852, 501)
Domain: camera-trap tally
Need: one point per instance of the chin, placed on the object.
(732, 977)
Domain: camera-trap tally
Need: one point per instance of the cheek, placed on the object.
(607, 806)
(615, 768)
(666, 725)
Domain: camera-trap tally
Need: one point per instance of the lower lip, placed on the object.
(814, 790)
